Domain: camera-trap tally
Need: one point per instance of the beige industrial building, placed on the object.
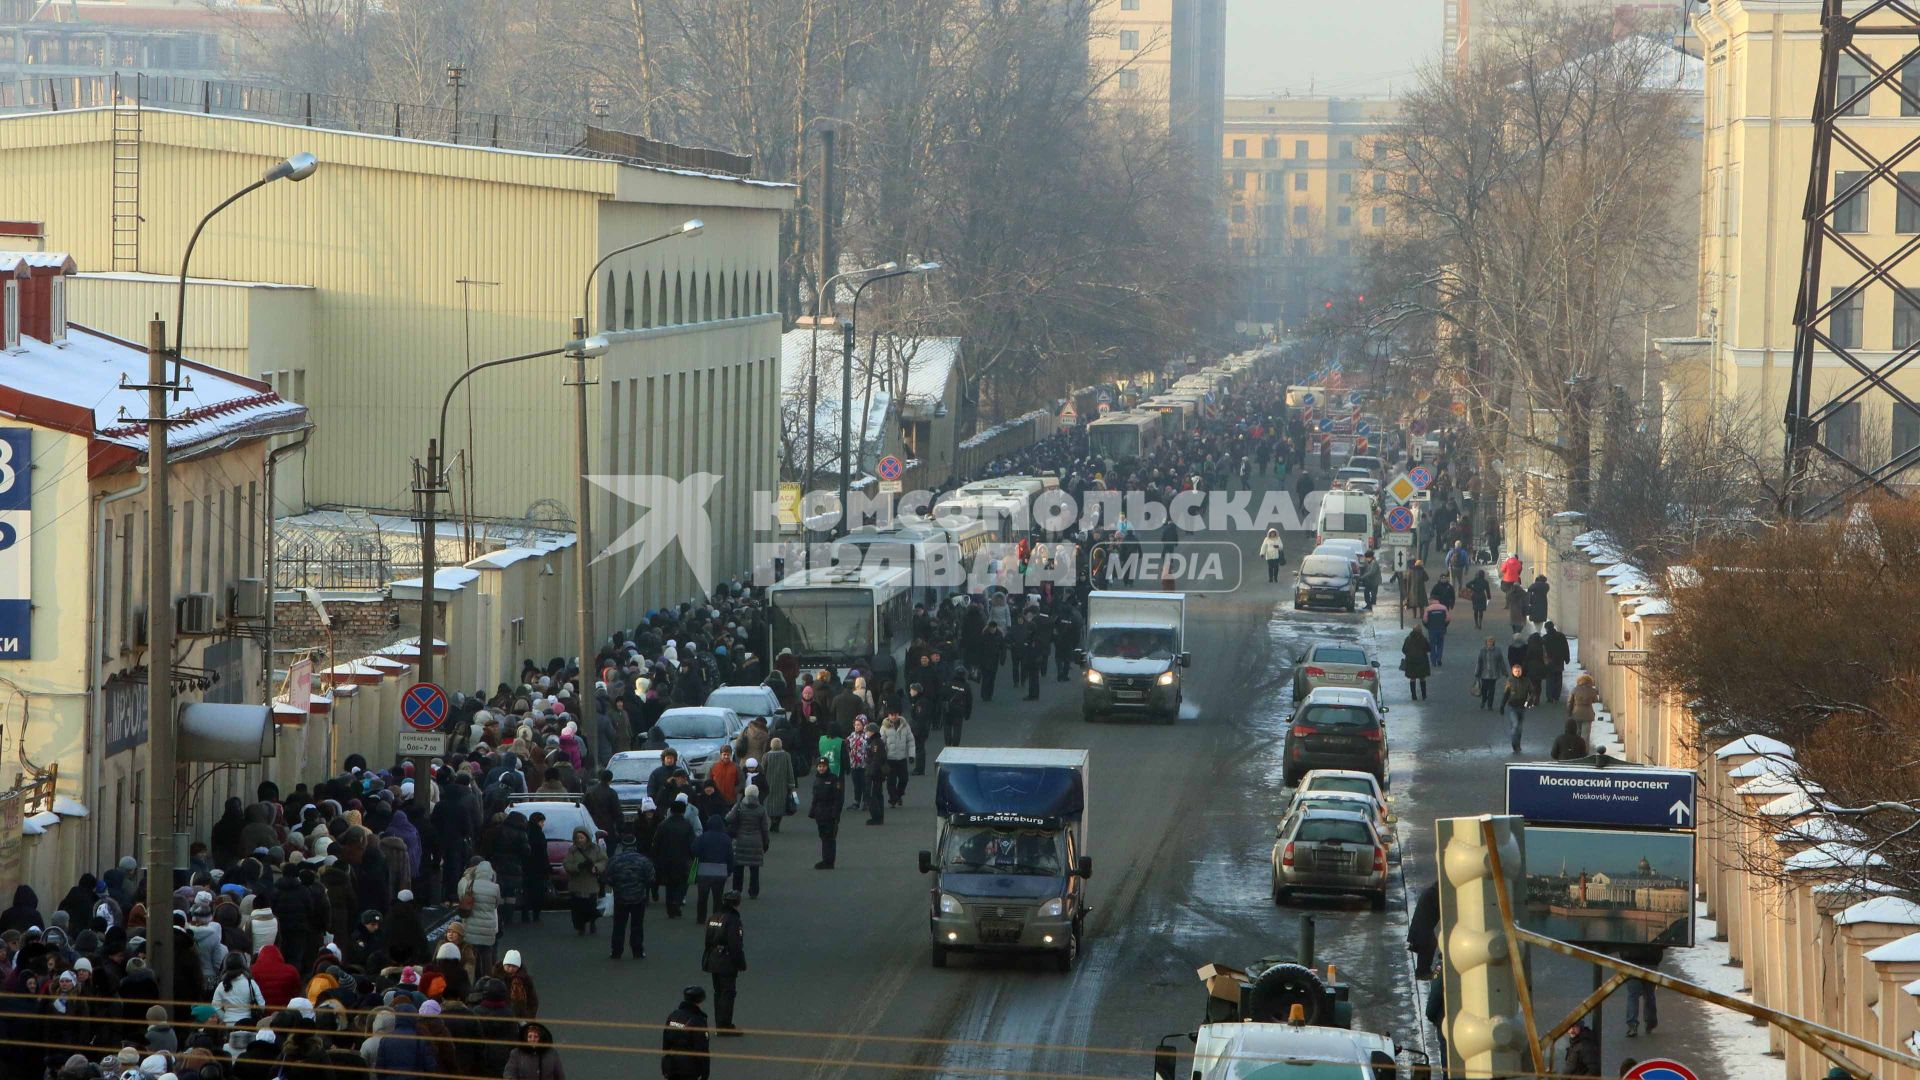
(366, 290)
(1167, 59)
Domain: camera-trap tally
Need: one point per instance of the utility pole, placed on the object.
(162, 767)
(427, 487)
(583, 546)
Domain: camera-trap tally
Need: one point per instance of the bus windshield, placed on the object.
(1115, 440)
(824, 624)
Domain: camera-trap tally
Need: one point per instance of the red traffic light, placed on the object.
(1361, 298)
(1329, 305)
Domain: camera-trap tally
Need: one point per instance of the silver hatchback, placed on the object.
(1337, 851)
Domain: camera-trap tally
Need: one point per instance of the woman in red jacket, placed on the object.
(279, 981)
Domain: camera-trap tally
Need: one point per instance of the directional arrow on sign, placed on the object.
(1680, 812)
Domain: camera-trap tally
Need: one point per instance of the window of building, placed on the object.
(1344, 215)
(1238, 213)
(1129, 5)
(1906, 208)
(1344, 247)
(1379, 183)
(1239, 148)
(1237, 180)
(1129, 79)
(626, 308)
(1299, 149)
(1413, 185)
(1299, 215)
(1299, 249)
(1910, 88)
(1906, 429)
(1844, 326)
(1299, 181)
(1346, 148)
(1346, 183)
(1270, 148)
(1130, 40)
(1851, 78)
(1236, 247)
(1378, 149)
(1906, 321)
(1379, 216)
(1850, 216)
(1842, 430)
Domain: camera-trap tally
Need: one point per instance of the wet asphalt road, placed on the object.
(1181, 832)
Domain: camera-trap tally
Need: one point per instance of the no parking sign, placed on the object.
(1660, 1069)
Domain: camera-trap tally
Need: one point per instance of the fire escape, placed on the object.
(126, 175)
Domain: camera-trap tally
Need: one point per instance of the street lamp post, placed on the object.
(583, 547)
(163, 766)
(847, 342)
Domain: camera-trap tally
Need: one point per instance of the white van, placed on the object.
(1345, 515)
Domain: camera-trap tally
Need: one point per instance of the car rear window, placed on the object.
(1324, 566)
(1344, 783)
(1337, 654)
(1341, 716)
(1334, 829)
(1344, 523)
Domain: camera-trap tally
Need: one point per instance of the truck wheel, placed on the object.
(1091, 716)
(1065, 957)
(939, 956)
(1378, 900)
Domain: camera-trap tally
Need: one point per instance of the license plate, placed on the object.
(1335, 741)
(1130, 695)
(1000, 931)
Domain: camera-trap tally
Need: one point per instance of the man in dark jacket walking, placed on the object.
(1559, 655)
(828, 796)
(1066, 638)
(673, 856)
(724, 958)
(684, 1043)
(630, 875)
(993, 643)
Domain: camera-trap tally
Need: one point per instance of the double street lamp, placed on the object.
(847, 341)
(163, 765)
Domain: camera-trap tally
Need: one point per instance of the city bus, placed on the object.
(1122, 436)
(842, 617)
(939, 554)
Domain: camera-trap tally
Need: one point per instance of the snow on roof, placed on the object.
(928, 364)
(979, 438)
(1819, 830)
(81, 385)
(1778, 764)
(11, 261)
(1856, 886)
(1589, 539)
(1832, 857)
(1773, 784)
(451, 578)
(68, 807)
(1654, 605)
(169, 279)
(1754, 744)
(1905, 950)
(1892, 910)
(45, 819)
(797, 361)
(487, 534)
(1794, 804)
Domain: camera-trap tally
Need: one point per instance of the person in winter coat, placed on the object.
(1488, 668)
(522, 996)
(278, 980)
(237, 996)
(1510, 570)
(1516, 600)
(225, 842)
(535, 1058)
(824, 809)
(1416, 661)
(724, 957)
(1537, 601)
(1583, 1051)
(713, 865)
(1479, 592)
(777, 792)
(900, 745)
(684, 1043)
(1435, 619)
(25, 912)
(536, 869)
(1417, 597)
(879, 770)
(1582, 699)
(403, 1054)
(749, 825)
(1559, 653)
(1274, 551)
(673, 856)
(1569, 744)
(78, 903)
(603, 804)
(1515, 699)
(584, 864)
(631, 876)
(479, 900)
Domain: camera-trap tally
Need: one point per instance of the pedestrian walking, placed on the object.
(1582, 699)
(713, 866)
(777, 792)
(584, 864)
(1569, 744)
(480, 911)
(1370, 578)
(878, 770)
(1416, 661)
(684, 1045)
(724, 958)
(900, 744)
(747, 821)
(857, 755)
(1559, 654)
(1275, 552)
(1641, 1004)
(1514, 701)
(1510, 570)
(824, 809)
(1516, 601)
(535, 1058)
(1435, 618)
(1458, 560)
(631, 876)
(993, 645)
(1537, 602)
(957, 709)
(536, 870)
(1039, 645)
(1487, 670)
(1417, 587)
(673, 858)
(1479, 592)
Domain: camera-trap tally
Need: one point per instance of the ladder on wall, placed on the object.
(126, 176)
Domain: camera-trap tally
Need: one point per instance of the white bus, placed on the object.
(939, 554)
(1124, 435)
(842, 618)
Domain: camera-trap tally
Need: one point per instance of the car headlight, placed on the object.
(1166, 679)
(1052, 908)
(1094, 677)
(950, 905)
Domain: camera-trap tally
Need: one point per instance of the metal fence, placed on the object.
(365, 116)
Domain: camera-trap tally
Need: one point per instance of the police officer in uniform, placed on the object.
(683, 1043)
(724, 958)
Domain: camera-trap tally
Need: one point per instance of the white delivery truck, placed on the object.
(1009, 856)
(1134, 655)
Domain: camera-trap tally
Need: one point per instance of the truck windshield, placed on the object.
(824, 625)
(1131, 642)
(984, 850)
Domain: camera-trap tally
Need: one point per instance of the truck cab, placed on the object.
(1009, 860)
(1134, 655)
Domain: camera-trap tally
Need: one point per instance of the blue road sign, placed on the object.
(1363, 428)
(1307, 400)
(1400, 519)
(423, 706)
(1103, 397)
(1353, 397)
(1326, 425)
(1585, 795)
(1420, 476)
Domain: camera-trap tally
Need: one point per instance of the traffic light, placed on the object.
(1362, 298)
(1485, 1034)
(1329, 305)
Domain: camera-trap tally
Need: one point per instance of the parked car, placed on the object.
(1342, 478)
(698, 732)
(1325, 581)
(1336, 728)
(565, 813)
(631, 770)
(1353, 781)
(1335, 664)
(1344, 800)
(1370, 462)
(748, 702)
(1337, 851)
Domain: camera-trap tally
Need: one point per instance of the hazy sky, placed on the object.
(1339, 47)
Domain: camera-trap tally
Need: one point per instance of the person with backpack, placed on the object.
(631, 876)
(1459, 559)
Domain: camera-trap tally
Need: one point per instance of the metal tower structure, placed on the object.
(1824, 472)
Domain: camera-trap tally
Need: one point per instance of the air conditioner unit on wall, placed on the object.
(247, 598)
(193, 614)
